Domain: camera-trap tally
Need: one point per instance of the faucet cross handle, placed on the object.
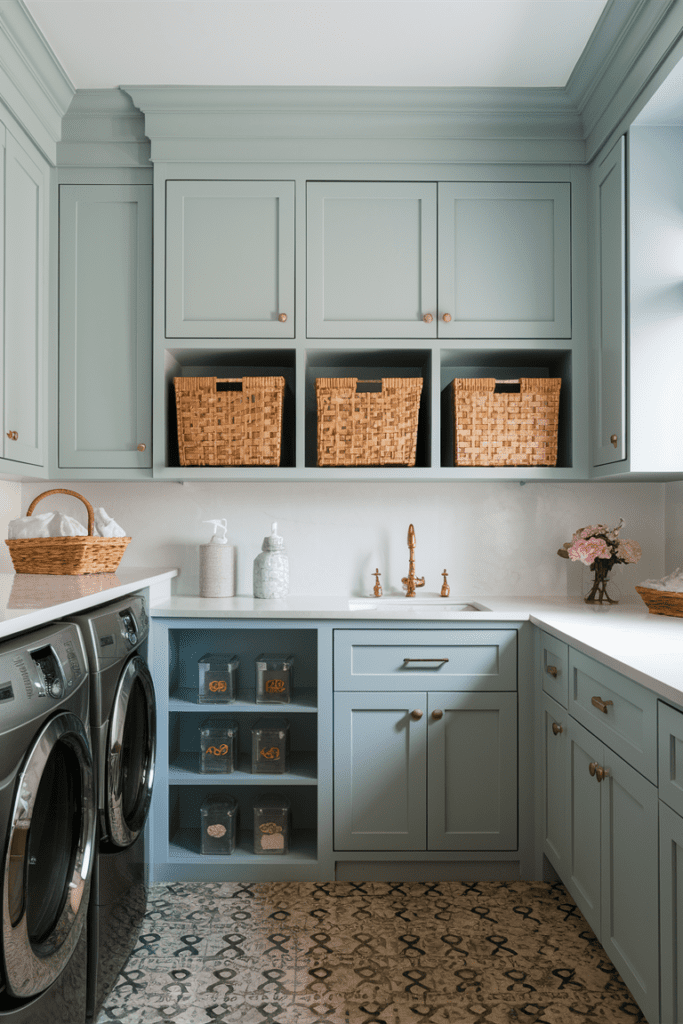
(411, 537)
(377, 589)
(445, 590)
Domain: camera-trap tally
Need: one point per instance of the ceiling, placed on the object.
(102, 44)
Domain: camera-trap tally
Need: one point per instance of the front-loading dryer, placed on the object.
(123, 731)
(47, 826)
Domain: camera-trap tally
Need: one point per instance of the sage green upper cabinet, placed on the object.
(504, 260)
(105, 326)
(610, 299)
(25, 189)
(371, 259)
(230, 259)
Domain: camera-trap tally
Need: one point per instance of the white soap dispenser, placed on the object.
(217, 563)
(271, 568)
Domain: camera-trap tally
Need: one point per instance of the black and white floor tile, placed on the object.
(367, 953)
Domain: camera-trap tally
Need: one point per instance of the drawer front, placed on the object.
(554, 667)
(629, 723)
(671, 756)
(425, 659)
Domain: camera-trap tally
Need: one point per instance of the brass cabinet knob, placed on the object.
(557, 729)
(592, 768)
(428, 318)
(436, 715)
(13, 435)
(614, 439)
(447, 318)
(551, 670)
(282, 318)
(142, 447)
(600, 704)
(601, 773)
(417, 714)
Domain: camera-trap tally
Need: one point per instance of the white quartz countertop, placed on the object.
(625, 637)
(28, 601)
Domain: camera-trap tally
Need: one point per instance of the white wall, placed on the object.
(492, 538)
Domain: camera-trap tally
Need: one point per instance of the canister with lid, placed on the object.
(272, 815)
(270, 745)
(218, 815)
(217, 678)
(274, 678)
(218, 744)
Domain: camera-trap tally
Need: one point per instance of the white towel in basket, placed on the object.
(46, 524)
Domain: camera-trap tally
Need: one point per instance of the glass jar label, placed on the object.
(218, 685)
(270, 828)
(221, 751)
(275, 686)
(216, 831)
(270, 753)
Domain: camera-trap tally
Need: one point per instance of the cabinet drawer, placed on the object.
(425, 659)
(629, 723)
(554, 667)
(671, 756)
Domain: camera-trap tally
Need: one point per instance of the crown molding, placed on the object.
(103, 128)
(33, 84)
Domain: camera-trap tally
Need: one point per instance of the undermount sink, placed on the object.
(452, 604)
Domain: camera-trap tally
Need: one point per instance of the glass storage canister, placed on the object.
(219, 745)
(274, 678)
(271, 825)
(217, 678)
(218, 824)
(270, 745)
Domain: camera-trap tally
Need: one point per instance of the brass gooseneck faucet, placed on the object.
(411, 581)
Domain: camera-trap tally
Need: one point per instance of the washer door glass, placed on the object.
(131, 753)
(49, 857)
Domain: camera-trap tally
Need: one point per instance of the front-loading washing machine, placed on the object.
(123, 732)
(47, 826)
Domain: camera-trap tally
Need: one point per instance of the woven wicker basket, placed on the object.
(229, 427)
(506, 429)
(67, 556)
(662, 602)
(367, 428)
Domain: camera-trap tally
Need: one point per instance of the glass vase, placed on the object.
(598, 591)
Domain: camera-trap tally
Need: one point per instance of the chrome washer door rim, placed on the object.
(30, 970)
(123, 832)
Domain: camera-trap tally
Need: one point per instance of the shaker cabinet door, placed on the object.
(229, 259)
(472, 774)
(371, 259)
(582, 876)
(504, 260)
(380, 757)
(105, 326)
(554, 779)
(671, 912)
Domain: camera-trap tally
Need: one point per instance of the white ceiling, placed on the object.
(106, 43)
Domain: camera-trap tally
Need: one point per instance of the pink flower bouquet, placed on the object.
(600, 547)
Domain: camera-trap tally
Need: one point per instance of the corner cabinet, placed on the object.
(105, 327)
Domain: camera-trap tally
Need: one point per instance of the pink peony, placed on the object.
(629, 551)
(587, 551)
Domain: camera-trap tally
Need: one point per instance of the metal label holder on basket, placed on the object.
(67, 556)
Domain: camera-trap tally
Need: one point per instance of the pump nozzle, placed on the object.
(218, 524)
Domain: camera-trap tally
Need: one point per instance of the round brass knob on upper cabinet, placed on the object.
(592, 767)
(557, 729)
(417, 714)
(447, 318)
(436, 715)
(551, 670)
(614, 439)
(428, 318)
(142, 447)
(13, 435)
(601, 773)
(282, 317)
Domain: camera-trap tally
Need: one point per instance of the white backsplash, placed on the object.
(493, 538)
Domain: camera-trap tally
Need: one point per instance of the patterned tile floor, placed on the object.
(345, 953)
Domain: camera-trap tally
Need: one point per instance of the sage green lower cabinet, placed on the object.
(554, 776)
(671, 913)
(105, 326)
(425, 771)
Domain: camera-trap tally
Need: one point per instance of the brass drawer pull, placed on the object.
(557, 729)
(601, 704)
(441, 661)
(551, 670)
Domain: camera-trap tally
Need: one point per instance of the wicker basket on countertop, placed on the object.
(662, 602)
(67, 556)
(229, 421)
(370, 428)
(506, 429)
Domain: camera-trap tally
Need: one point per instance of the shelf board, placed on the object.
(186, 700)
(184, 771)
(184, 846)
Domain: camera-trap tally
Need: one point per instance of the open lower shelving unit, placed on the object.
(436, 363)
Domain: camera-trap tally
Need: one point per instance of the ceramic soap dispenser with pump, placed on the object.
(217, 563)
(271, 568)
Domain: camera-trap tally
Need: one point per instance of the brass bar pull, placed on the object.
(416, 715)
(551, 670)
(441, 661)
(557, 729)
(601, 704)
(436, 715)
(601, 773)
(592, 768)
